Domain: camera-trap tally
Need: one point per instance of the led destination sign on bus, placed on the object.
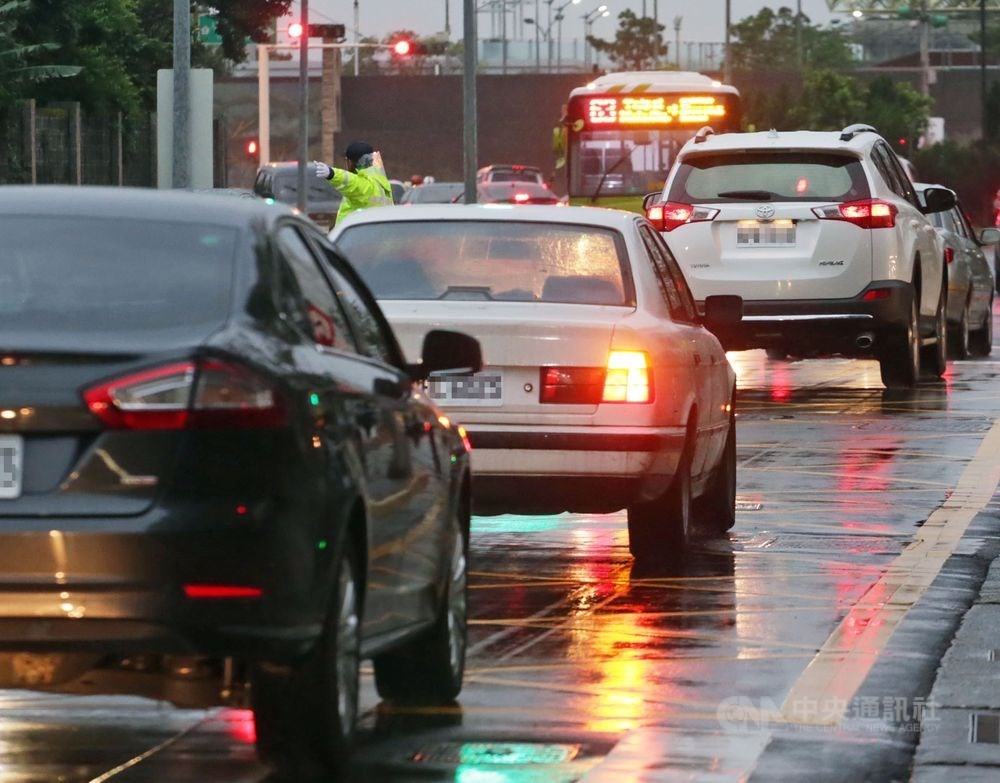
(625, 111)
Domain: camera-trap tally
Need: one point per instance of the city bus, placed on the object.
(622, 131)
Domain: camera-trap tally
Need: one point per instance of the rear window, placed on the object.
(286, 188)
(490, 260)
(768, 176)
(113, 275)
(515, 176)
(433, 194)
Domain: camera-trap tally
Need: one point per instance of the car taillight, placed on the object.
(571, 385)
(628, 378)
(215, 592)
(949, 255)
(876, 294)
(202, 394)
(866, 213)
(668, 216)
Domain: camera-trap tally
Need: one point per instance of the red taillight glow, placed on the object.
(628, 378)
(202, 394)
(222, 591)
(876, 294)
(949, 255)
(571, 385)
(866, 213)
(668, 216)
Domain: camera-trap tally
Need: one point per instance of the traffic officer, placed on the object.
(363, 183)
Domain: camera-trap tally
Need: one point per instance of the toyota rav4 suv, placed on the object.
(823, 236)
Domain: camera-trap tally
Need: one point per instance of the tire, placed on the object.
(715, 511)
(934, 362)
(959, 336)
(661, 528)
(981, 340)
(899, 360)
(305, 713)
(430, 669)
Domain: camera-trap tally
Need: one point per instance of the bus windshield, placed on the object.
(621, 162)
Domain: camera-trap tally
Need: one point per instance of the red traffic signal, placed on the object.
(252, 148)
(402, 48)
(295, 30)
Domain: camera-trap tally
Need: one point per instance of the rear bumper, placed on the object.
(582, 469)
(852, 326)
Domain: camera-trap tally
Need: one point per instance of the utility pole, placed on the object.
(727, 68)
(300, 200)
(447, 19)
(182, 94)
(677, 41)
(982, 66)
(330, 100)
(798, 33)
(357, 39)
(470, 152)
(503, 36)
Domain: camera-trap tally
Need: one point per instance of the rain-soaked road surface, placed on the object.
(582, 666)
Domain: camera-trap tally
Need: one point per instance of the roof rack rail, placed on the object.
(703, 133)
(851, 131)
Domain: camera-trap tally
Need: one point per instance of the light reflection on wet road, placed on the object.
(572, 645)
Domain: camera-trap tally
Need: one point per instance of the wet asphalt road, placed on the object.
(574, 653)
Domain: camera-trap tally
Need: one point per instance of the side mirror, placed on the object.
(722, 312)
(989, 236)
(938, 200)
(452, 351)
(649, 199)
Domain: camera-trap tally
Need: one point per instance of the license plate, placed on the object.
(773, 233)
(11, 451)
(483, 388)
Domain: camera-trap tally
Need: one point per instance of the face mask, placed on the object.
(365, 161)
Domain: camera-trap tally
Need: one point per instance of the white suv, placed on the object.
(822, 235)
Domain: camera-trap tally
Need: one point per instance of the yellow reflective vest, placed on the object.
(363, 188)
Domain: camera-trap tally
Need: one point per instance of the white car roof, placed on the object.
(781, 140)
(584, 216)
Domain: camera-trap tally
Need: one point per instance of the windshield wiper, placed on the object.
(756, 195)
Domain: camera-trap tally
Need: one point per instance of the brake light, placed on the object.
(222, 591)
(866, 213)
(628, 378)
(202, 394)
(668, 216)
(571, 385)
(521, 198)
(949, 255)
(876, 294)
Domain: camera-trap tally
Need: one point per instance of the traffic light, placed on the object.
(295, 30)
(252, 149)
(335, 32)
(402, 48)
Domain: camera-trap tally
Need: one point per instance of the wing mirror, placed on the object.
(989, 236)
(938, 200)
(452, 351)
(722, 313)
(649, 199)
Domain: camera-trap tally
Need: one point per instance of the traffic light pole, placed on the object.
(182, 95)
(300, 200)
(470, 129)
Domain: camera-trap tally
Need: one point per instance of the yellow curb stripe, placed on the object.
(841, 665)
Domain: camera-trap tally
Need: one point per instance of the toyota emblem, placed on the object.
(765, 211)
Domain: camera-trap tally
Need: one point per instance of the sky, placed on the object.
(703, 21)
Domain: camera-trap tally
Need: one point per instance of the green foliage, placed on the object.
(638, 43)
(898, 111)
(241, 19)
(829, 101)
(972, 170)
(18, 70)
(768, 41)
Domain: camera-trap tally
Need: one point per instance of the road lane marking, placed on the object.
(147, 754)
(844, 661)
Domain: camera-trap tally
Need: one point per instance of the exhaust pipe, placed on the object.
(864, 340)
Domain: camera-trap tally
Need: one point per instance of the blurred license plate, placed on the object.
(483, 388)
(11, 450)
(753, 233)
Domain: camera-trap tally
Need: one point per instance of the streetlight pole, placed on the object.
(588, 24)
(300, 200)
(470, 152)
(727, 70)
(357, 39)
(182, 94)
(559, 18)
(538, 39)
(982, 67)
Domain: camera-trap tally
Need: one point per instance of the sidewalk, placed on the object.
(961, 739)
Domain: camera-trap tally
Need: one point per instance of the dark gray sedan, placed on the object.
(218, 481)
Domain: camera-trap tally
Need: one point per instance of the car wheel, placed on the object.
(304, 713)
(662, 527)
(899, 360)
(715, 511)
(981, 340)
(935, 359)
(429, 670)
(959, 336)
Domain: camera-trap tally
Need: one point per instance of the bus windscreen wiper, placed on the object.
(756, 195)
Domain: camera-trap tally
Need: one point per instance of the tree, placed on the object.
(16, 73)
(898, 111)
(769, 41)
(242, 19)
(638, 43)
(829, 101)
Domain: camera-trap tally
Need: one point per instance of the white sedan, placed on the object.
(603, 390)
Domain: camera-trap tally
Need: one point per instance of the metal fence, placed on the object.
(59, 143)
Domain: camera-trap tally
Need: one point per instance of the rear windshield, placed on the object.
(433, 194)
(768, 176)
(515, 176)
(490, 260)
(113, 275)
(286, 188)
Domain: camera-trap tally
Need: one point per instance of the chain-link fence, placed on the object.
(61, 144)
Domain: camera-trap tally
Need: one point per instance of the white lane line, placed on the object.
(841, 665)
(145, 755)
